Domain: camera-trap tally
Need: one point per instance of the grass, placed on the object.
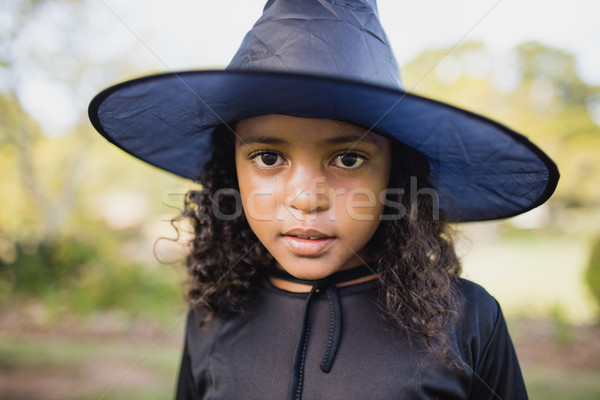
(98, 364)
(82, 369)
(546, 383)
(532, 275)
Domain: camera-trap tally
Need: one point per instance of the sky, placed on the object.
(154, 35)
(212, 33)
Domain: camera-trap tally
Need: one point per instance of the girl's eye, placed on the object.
(348, 161)
(267, 160)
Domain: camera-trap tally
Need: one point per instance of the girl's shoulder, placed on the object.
(475, 299)
(484, 344)
(476, 305)
(480, 321)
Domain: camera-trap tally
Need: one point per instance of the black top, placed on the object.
(251, 355)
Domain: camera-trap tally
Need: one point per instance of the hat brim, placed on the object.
(481, 169)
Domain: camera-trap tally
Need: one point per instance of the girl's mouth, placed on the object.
(309, 244)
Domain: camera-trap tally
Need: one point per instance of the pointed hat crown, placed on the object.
(341, 39)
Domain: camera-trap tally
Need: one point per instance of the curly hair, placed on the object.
(417, 264)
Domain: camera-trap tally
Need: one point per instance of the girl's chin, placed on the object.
(310, 269)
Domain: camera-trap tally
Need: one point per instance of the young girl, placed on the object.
(322, 266)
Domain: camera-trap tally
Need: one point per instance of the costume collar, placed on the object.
(327, 285)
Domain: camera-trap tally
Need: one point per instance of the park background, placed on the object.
(91, 305)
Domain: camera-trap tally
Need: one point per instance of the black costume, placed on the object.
(251, 355)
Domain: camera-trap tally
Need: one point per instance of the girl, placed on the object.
(322, 266)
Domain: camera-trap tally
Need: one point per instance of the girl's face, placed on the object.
(311, 190)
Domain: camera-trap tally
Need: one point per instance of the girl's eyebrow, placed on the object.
(350, 139)
(263, 140)
(354, 139)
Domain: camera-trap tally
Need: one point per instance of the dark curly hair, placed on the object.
(417, 264)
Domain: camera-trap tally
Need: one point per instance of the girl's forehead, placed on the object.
(277, 128)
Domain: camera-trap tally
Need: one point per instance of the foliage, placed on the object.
(592, 273)
(87, 274)
(45, 266)
(58, 240)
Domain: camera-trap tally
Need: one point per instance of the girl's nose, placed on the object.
(307, 191)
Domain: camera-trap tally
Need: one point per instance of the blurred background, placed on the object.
(91, 303)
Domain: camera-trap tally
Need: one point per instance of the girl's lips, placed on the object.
(308, 247)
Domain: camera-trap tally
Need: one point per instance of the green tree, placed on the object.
(54, 240)
(544, 98)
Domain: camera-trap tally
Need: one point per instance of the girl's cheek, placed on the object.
(259, 198)
(361, 203)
